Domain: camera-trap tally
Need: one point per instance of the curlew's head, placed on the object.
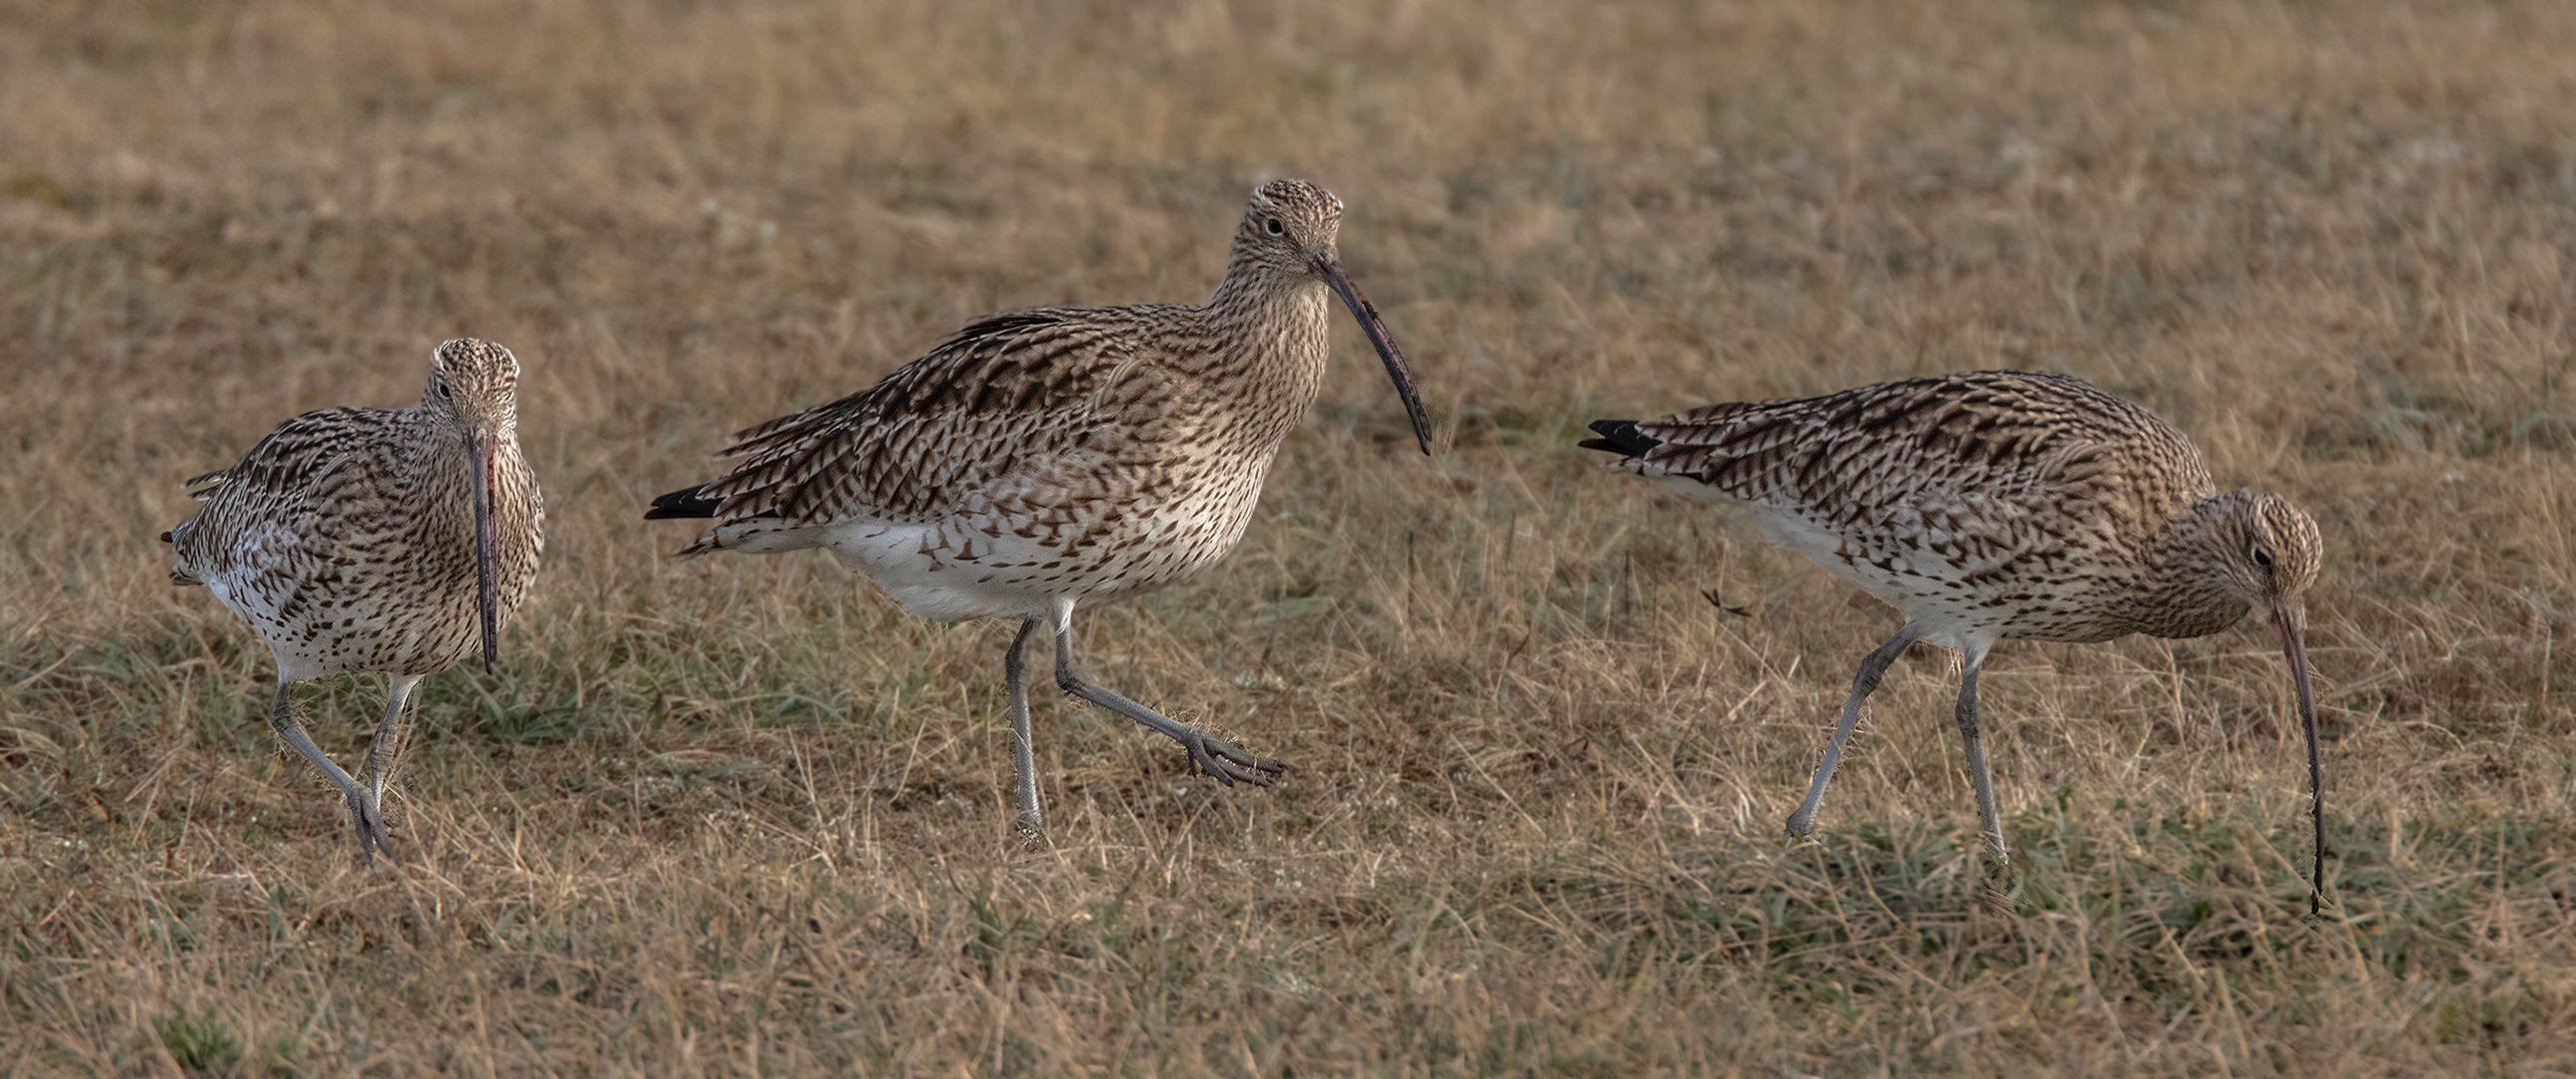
(2267, 553)
(1287, 234)
(473, 384)
(473, 397)
(1287, 225)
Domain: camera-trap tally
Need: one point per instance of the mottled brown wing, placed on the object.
(323, 461)
(1978, 452)
(1033, 405)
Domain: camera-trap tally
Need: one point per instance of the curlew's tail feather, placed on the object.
(683, 503)
(180, 574)
(1620, 437)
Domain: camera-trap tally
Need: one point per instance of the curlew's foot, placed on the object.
(1223, 760)
(1208, 753)
(367, 816)
(1998, 881)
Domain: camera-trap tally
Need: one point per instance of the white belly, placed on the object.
(1891, 575)
(1016, 557)
(945, 572)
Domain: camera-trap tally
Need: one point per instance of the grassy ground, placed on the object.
(741, 816)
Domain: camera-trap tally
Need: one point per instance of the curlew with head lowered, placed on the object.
(364, 540)
(1993, 506)
(1050, 456)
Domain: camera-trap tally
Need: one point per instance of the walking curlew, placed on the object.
(362, 539)
(1044, 457)
(1992, 506)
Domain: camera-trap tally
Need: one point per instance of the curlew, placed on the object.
(1050, 456)
(362, 539)
(1993, 506)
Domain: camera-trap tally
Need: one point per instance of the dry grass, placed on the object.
(740, 815)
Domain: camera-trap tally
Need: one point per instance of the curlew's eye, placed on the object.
(2262, 558)
(445, 394)
(1276, 229)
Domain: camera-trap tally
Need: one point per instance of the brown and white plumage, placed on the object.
(1992, 506)
(1053, 455)
(356, 539)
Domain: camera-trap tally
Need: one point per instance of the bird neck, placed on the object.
(2190, 594)
(1268, 335)
(443, 474)
(1273, 324)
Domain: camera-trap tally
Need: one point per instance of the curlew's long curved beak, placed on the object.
(2289, 624)
(487, 543)
(1329, 267)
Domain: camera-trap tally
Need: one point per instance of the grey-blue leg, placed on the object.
(1871, 669)
(281, 718)
(1213, 755)
(370, 818)
(1972, 735)
(1015, 666)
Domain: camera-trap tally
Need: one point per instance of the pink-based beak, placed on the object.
(1329, 268)
(2288, 625)
(487, 543)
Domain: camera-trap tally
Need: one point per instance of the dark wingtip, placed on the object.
(1620, 437)
(683, 503)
